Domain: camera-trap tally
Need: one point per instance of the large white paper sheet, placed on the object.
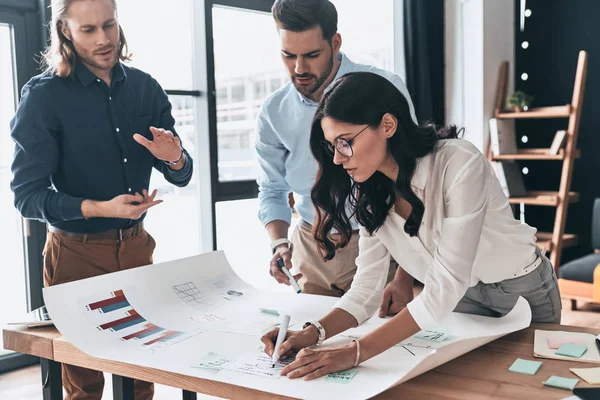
(196, 317)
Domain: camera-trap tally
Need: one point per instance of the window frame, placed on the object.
(227, 190)
(22, 16)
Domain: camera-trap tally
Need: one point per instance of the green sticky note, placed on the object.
(269, 311)
(561, 383)
(526, 367)
(571, 350)
(342, 376)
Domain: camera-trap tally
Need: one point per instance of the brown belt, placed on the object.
(116, 234)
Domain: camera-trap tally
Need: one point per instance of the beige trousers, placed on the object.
(327, 278)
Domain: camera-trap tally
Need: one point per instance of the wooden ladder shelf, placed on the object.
(556, 240)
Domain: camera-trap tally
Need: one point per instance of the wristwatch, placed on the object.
(278, 242)
(319, 327)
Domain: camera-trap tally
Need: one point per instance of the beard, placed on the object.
(308, 90)
(97, 61)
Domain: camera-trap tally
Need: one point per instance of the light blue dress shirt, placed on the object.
(283, 150)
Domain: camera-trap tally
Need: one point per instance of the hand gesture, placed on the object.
(165, 146)
(129, 206)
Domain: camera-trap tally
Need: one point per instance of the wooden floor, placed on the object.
(587, 315)
(25, 384)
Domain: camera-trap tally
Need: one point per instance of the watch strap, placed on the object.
(281, 241)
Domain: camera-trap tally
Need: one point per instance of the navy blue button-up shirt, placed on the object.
(74, 141)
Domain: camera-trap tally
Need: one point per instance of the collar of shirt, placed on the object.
(422, 170)
(344, 69)
(86, 77)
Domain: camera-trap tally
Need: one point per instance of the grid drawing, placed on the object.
(189, 293)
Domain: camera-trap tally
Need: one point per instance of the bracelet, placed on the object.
(322, 333)
(357, 351)
(174, 162)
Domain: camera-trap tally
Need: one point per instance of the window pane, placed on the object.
(249, 257)
(246, 73)
(367, 32)
(247, 70)
(175, 223)
(12, 291)
(159, 34)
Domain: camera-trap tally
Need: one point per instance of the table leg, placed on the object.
(187, 395)
(122, 388)
(51, 379)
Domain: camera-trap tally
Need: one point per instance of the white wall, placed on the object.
(479, 37)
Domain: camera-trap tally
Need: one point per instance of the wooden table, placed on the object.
(480, 374)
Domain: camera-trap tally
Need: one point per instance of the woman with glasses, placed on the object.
(429, 200)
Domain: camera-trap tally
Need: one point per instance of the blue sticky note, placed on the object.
(571, 350)
(342, 376)
(526, 367)
(561, 383)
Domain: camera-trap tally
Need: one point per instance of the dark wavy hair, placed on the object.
(363, 98)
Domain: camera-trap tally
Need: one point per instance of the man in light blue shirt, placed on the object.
(310, 50)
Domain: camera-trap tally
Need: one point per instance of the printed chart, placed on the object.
(189, 293)
(126, 324)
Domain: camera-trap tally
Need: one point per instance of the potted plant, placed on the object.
(520, 101)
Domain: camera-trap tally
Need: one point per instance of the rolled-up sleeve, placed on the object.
(34, 129)
(365, 294)
(182, 176)
(273, 188)
(449, 277)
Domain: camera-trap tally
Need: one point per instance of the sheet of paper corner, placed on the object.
(39, 324)
(590, 375)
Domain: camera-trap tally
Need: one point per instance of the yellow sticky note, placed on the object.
(590, 375)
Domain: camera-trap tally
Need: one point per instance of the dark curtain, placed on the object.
(424, 54)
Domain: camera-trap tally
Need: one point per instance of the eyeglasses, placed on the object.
(343, 146)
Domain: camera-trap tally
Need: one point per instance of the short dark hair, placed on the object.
(302, 15)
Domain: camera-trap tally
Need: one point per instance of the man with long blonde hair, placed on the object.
(88, 132)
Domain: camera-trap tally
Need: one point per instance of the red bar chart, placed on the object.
(149, 329)
(131, 319)
(116, 302)
(168, 335)
(135, 327)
